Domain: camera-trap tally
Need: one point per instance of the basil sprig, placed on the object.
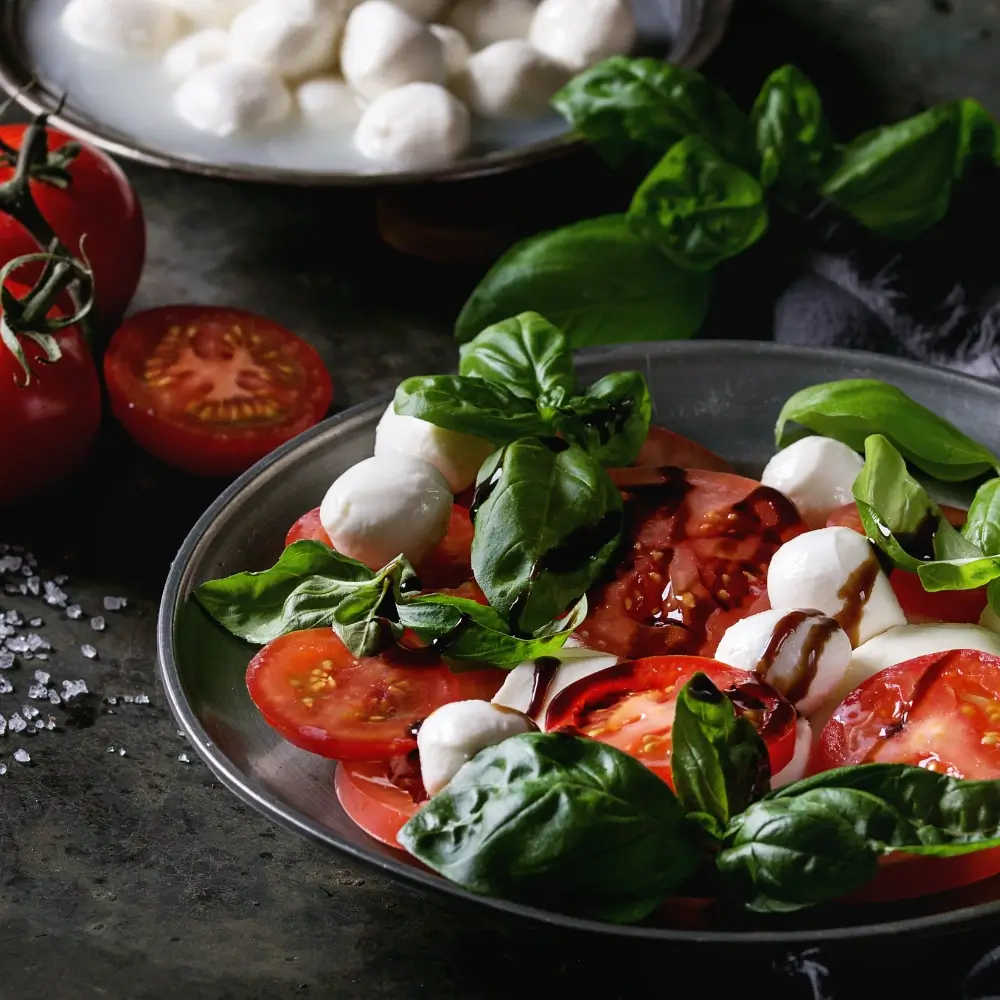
(311, 586)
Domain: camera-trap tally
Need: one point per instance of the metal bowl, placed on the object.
(725, 395)
(684, 31)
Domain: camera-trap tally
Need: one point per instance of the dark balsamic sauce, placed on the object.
(752, 700)
(920, 542)
(609, 420)
(855, 593)
(484, 491)
(796, 685)
(545, 669)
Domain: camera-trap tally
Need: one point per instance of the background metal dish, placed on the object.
(696, 27)
(725, 395)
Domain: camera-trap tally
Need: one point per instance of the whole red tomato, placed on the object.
(48, 425)
(99, 203)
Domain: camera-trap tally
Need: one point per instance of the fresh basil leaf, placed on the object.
(469, 406)
(560, 822)
(697, 208)
(793, 138)
(719, 762)
(611, 420)
(982, 526)
(633, 110)
(310, 586)
(549, 518)
(898, 180)
(852, 409)
(597, 281)
(526, 354)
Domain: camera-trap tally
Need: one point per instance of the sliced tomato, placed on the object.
(631, 706)
(907, 876)
(212, 390)
(963, 606)
(373, 795)
(699, 544)
(663, 447)
(308, 528)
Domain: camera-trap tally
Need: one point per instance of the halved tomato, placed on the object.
(212, 390)
(308, 528)
(963, 606)
(698, 548)
(663, 447)
(631, 706)
(380, 797)
(907, 876)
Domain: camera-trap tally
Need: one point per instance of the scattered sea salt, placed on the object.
(41, 656)
(10, 564)
(16, 724)
(110, 750)
(17, 644)
(38, 692)
(142, 699)
(121, 752)
(42, 677)
(50, 723)
(34, 586)
(13, 618)
(97, 623)
(15, 588)
(54, 595)
(89, 651)
(74, 611)
(61, 579)
(54, 698)
(6, 659)
(184, 758)
(111, 700)
(5, 685)
(3, 769)
(36, 642)
(36, 623)
(115, 603)
(29, 711)
(3, 725)
(22, 756)
(73, 688)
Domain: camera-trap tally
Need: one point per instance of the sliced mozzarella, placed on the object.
(816, 474)
(290, 40)
(456, 456)
(230, 97)
(575, 663)
(453, 734)
(384, 506)
(209, 13)
(582, 33)
(195, 52)
(419, 125)
(835, 570)
(455, 47)
(484, 22)
(803, 654)
(510, 79)
(327, 102)
(121, 25)
(385, 48)
(795, 769)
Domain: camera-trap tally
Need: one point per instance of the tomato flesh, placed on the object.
(631, 706)
(663, 447)
(211, 390)
(380, 797)
(908, 876)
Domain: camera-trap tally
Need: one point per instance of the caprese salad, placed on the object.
(566, 657)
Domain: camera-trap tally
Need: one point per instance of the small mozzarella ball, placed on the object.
(574, 664)
(826, 570)
(387, 505)
(287, 39)
(795, 769)
(327, 102)
(785, 647)
(456, 456)
(582, 33)
(230, 97)
(816, 474)
(484, 22)
(203, 48)
(209, 13)
(453, 734)
(426, 10)
(990, 619)
(419, 125)
(121, 25)
(455, 47)
(385, 48)
(510, 80)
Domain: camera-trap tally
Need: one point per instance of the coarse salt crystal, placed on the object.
(54, 698)
(3, 769)
(97, 623)
(184, 758)
(115, 603)
(6, 659)
(16, 724)
(42, 676)
(29, 711)
(73, 688)
(142, 699)
(38, 692)
(5, 685)
(88, 651)
(3, 725)
(22, 756)
(74, 611)
(36, 623)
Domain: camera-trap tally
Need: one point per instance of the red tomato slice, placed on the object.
(962, 606)
(212, 390)
(308, 528)
(375, 798)
(907, 876)
(663, 447)
(699, 546)
(631, 706)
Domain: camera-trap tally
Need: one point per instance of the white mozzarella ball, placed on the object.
(574, 664)
(456, 456)
(121, 25)
(455, 47)
(328, 102)
(453, 734)
(426, 10)
(209, 13)
(419, 125)
(195, 52)
(990, 619)
(510, 79)
(385, 48)
(803, 654)
(230, 97)
(816, 474)
(582, 33)
(835, 570)
(289, 40)
(384, 506)
(795, 769)
(484, 22)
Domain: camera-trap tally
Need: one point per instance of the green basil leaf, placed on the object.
(549, 519)
(597, 281)
(557, 821)
(611, 421)
(793, 138)
(898, 180)
(526, 354)
(697, 208)
(469, 406)
(982, 526)
(633, 110)
(852, 409)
